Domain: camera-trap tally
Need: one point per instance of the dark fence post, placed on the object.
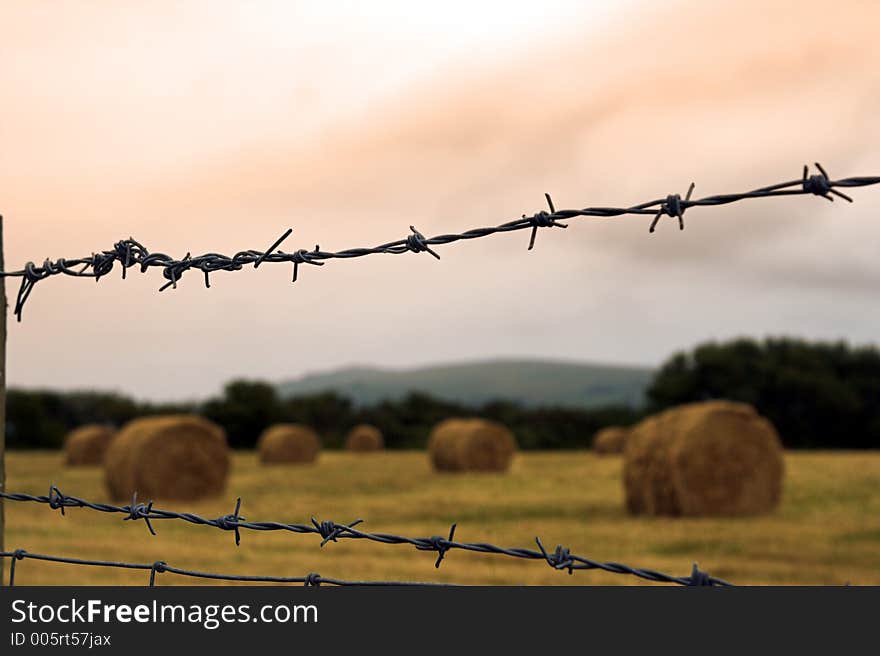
(2, 395)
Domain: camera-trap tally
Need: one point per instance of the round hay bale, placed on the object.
(442, 444)
(610, 440)
(727, 460)
(288, 443)
(646, 477)
(167, 457)
(710, 458)
(471, 445)
(364, 438)
(87, 444)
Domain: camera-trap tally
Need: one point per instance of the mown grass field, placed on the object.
(827, 530)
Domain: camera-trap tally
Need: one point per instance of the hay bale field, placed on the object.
(826, 531)
(288, 444)
(699, 459)
(364, 438)
(471, 445)
(610, 440)
(167, 457)
(87, 445)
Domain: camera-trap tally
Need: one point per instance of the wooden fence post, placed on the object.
(2, 396)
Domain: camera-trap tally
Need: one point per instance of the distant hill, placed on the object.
(529, 382)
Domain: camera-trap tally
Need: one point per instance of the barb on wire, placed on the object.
(673, 206)
(130, 253)
(161, 567)
(329, 531)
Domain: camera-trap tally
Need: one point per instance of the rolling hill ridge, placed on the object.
(531, 383)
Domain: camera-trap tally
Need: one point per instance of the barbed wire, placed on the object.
(559, 559)
(131, 253)
(161, 567)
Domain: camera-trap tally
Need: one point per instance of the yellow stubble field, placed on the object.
(827, 530)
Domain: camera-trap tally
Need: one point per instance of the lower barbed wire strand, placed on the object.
(332, 531)
(312, 579)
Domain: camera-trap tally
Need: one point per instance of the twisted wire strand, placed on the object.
(160, 567)
(560, 559)
(131, 253)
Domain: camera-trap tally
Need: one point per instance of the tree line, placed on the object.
(816, 394)
(41, 419)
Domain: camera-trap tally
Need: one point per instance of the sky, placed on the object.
(213, 127)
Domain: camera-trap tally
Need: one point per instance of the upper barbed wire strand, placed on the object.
(130, 253)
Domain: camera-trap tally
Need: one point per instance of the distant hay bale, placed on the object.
(364, 438)
(87, 444)
(709, 458)
(471, 445)
(167, 457)
(288, 443)
(610, 440)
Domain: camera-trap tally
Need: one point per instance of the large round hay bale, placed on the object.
(364, 438)
(87, 444)
(167, 457)
(288, 443)
(646, 476)
(471, 445)
(709, 458)
(442, 444)
(610, 440)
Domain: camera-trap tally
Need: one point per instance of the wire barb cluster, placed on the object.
(329, 531)
(130, 253)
